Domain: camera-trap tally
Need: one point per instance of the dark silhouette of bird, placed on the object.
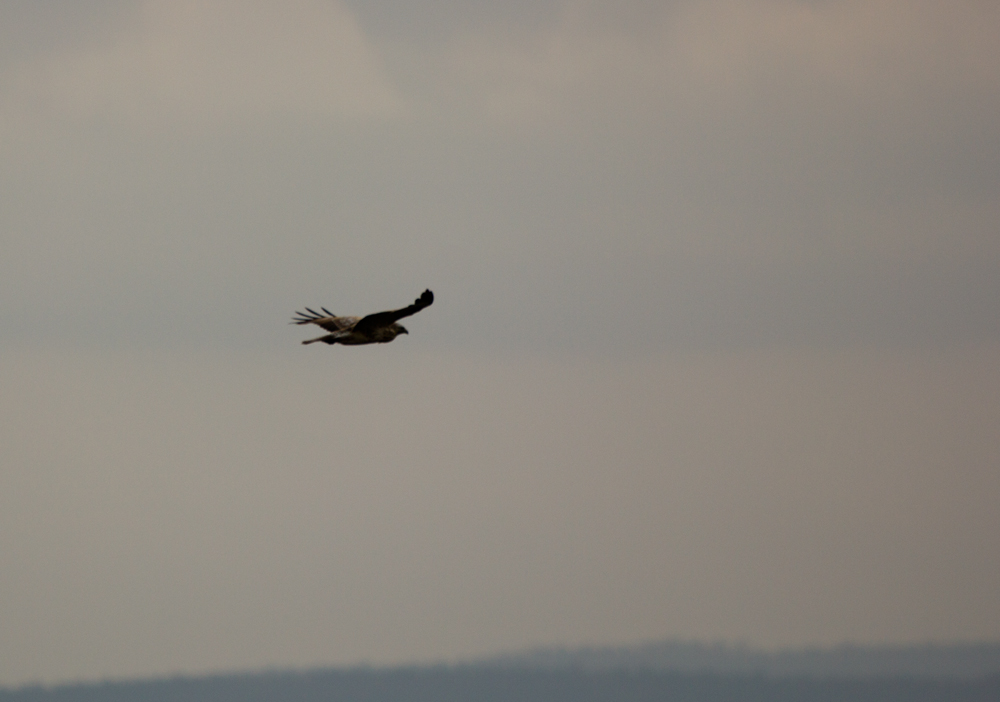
(378, 328)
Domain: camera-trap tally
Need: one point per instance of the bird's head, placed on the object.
(402, 329)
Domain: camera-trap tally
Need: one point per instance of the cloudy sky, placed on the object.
(715, 353)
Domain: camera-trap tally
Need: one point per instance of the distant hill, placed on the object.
(669, 670)
(467, 684)
(963, 661)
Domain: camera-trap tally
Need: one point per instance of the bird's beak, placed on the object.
(402, 330)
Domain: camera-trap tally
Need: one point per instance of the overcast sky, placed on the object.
(715, 351)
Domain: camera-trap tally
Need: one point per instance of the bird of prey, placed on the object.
(378, 328)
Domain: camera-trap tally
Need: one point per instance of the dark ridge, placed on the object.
(965, 661)
(479, 684)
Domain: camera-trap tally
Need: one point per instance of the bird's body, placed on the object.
(378, 328)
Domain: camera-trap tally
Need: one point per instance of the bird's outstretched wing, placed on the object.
(383, 319)
(330, 321)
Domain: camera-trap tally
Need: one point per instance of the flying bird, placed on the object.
(378, 328)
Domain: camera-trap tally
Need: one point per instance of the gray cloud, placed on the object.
(759, 148)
